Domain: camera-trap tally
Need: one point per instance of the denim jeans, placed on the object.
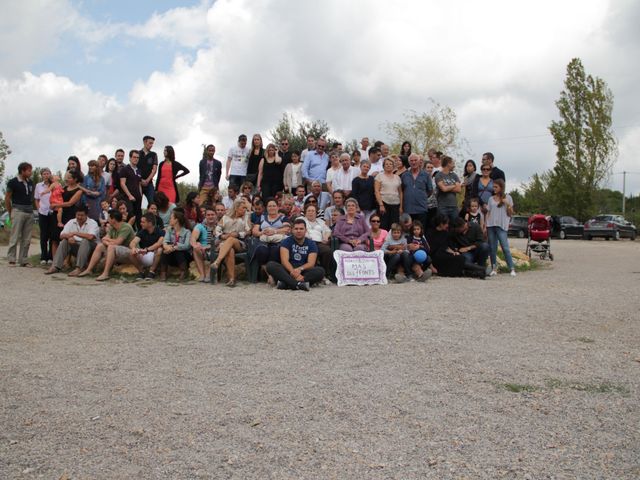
(478, 255)
(497, 234)
(149, 192)
(450, 212)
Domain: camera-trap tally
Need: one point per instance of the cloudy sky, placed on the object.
(85, 77)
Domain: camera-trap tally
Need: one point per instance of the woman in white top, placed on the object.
(388, 190)
(232, 230)
(46, 217)
(293, 174)
(334, 166)
(499, 212)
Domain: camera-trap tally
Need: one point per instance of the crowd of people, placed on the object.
(284, 212)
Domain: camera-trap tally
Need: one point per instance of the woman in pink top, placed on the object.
(377, 234)
(168, 172)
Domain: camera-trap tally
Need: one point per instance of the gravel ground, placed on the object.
(533, 377)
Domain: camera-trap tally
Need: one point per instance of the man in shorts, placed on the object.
(145, 249)
(115, 245)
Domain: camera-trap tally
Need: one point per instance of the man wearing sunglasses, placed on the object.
(487, 159)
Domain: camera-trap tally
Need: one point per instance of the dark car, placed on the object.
(609, 226)
(518, 226)
(563, 226)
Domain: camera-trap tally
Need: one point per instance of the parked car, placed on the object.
(609, 226)
(563, 226)
(518, 226)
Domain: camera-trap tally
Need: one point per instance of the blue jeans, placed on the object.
(497, 234)
(450, 212)
(149, 192)
(478, 255)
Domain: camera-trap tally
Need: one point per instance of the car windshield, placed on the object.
(604, 218)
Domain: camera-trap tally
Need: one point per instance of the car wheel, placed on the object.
(520, 233)
(563, 235)
(616, 235)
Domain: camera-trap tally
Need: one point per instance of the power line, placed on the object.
(523, 137)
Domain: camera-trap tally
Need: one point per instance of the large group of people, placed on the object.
(285, 211)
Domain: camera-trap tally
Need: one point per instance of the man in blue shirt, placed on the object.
(297, 268)
(416, 186)
(315, 164)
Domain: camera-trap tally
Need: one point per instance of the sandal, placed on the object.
(231, 283)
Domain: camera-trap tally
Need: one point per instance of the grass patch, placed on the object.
(517, 387)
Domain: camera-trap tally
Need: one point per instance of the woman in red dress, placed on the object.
(168, 172)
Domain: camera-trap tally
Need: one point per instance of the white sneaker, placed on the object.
(493, 273)
(513, 273)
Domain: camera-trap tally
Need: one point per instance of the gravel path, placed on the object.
(534, 377)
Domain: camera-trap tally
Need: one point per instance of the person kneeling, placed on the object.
(298, 255)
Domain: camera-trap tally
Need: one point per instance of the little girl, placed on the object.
(475, 215)
(396, 255)
(417, 241)
(56, 197)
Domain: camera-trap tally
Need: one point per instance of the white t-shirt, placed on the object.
(239, 160)
(343, 180)
(376, 167)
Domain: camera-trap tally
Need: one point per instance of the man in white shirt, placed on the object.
(375, 160)
(343, 178)
(237, 162)
(364, 148)
(79, 237)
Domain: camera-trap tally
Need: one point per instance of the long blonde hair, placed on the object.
(277, 160)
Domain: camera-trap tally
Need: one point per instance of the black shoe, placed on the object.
(141, 276)
(150, 275)
(281, 285)
(213, 273)
(303, 286)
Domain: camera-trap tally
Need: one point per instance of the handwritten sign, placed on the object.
(360, 268)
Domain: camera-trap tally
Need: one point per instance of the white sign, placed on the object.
(360, 268)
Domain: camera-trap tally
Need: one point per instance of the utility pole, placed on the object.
(624, 185)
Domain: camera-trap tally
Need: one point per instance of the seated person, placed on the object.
(318, 231)
(220, 212)
(417, 241)
(323, 198)
(338, 202)
(296, 269)
(231, 230)
(146, 247)
(127, 215)
(396, 254)
(446, 261)
(164, 207)
(351, 229)
(406, 222)
(232, 194)
(153, 209)
(379, 235)
(176, 247)
(78, 237)
(115, 246)
(288, 207)
(258, 210)
(468, 239)
(271, 229)
(298, 200)
(203, 239)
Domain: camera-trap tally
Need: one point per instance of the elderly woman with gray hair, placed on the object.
(351, 229)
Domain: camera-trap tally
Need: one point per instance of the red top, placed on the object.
(166, 182)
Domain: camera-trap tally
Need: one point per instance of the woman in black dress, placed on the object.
(270, 173)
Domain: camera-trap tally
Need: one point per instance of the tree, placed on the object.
(297, 132)
(586, 145)
(537, 197)
(435, 128)
(5, 151)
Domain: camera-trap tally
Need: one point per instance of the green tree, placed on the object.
(586, 145)
(435, 128)
(296, 132)
(537, 196)
(5, 151)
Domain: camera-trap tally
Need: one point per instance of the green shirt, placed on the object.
(125, 231)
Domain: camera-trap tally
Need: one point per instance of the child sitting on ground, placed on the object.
(416, 242)
(396, 255)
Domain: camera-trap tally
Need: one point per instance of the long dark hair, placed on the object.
(402, 148)
(109, 162)
(475, 169)
(171, 153)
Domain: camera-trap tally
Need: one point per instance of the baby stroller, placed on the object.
(539, 239)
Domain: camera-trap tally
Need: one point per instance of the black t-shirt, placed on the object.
(254, 161)
(147, 239)
(21, 193)
(146, 163)
(132, 180)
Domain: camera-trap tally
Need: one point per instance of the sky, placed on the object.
(84, 77)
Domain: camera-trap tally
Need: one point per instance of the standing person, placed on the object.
(169, 171)
(94, 189)
(363, 190)
(210, 171)
(334, 166)
(416, 187)
(496, 173)
(73, 163)
(115, 175)
(270, 173)
(343, 177)
(405, 153)
(364, 148)
(297, 267)
(19, 203)
(79, 237)
(131, 184)
(284, 152)
(46, 216)
(375, 161)
(148, 166)
(292, 177)
(435, 157)
(71, 196)
(315, 164)
(237, 161)
(448, 185)
(482, 187)
(499, 213)
(388, 188)
(468, 178)
(432, 200)
(108, 176)
(311, 146)
(256, 154)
